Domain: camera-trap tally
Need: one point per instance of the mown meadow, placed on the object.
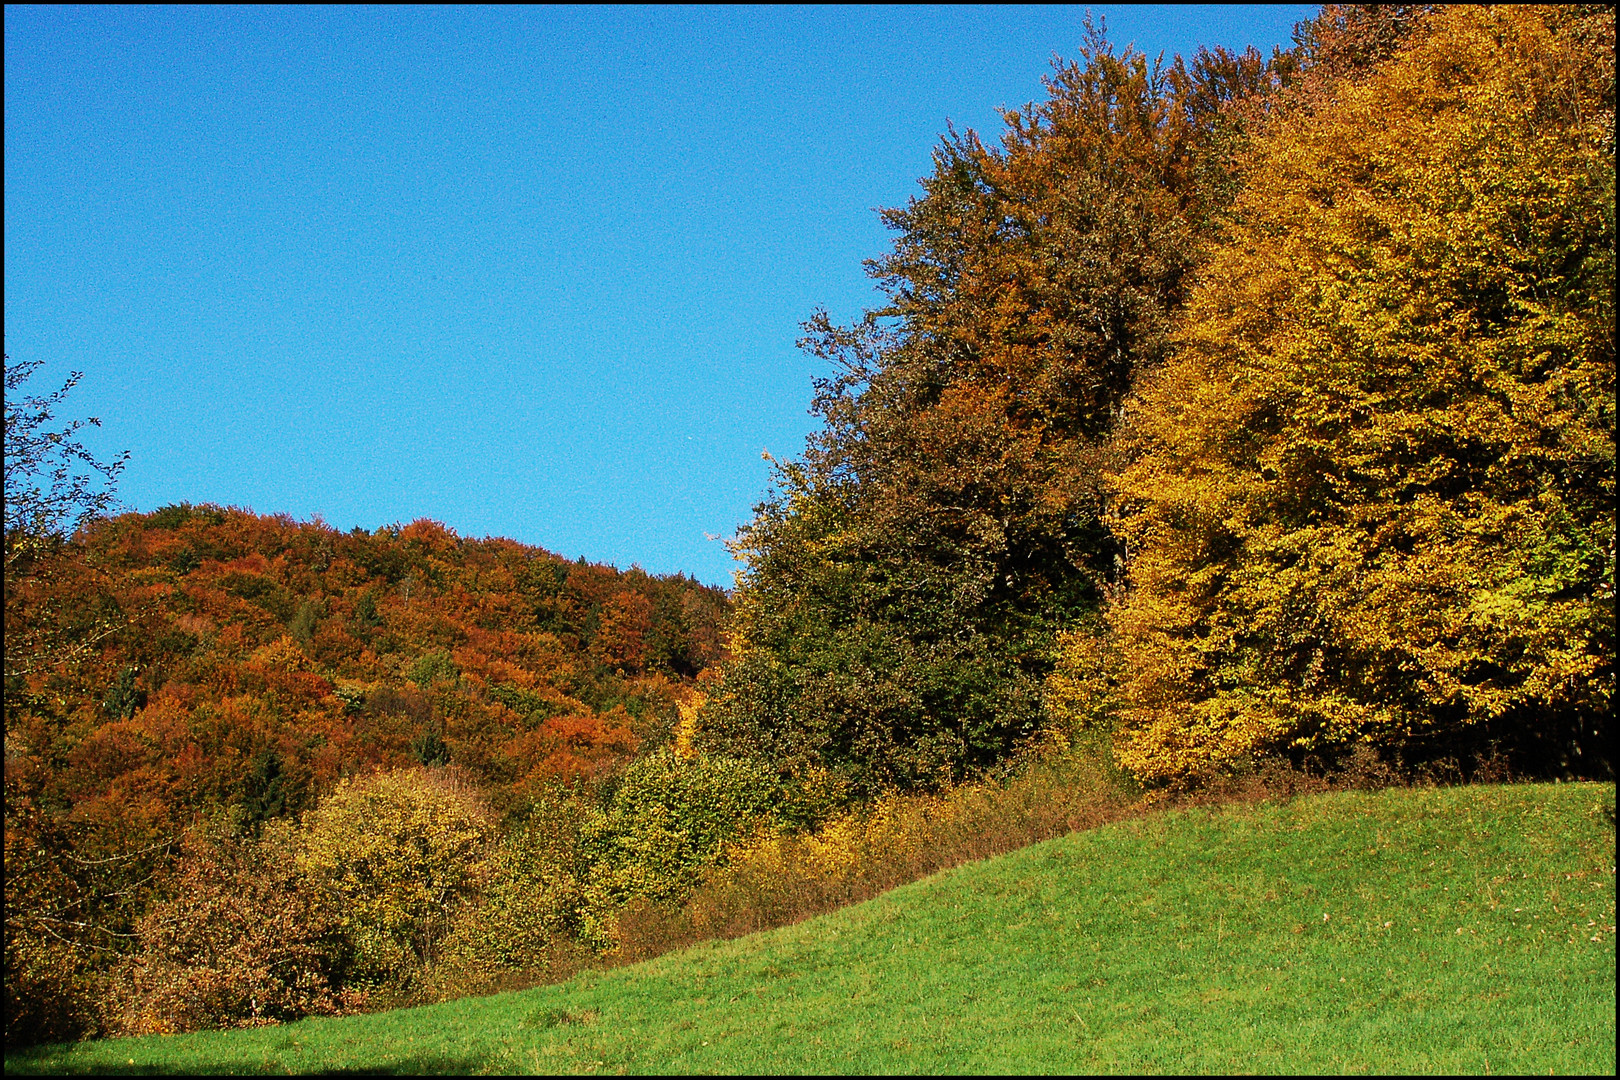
(1466, 929)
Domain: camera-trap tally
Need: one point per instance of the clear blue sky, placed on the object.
(533, 272)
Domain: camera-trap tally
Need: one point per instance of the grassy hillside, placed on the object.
(1452, 930)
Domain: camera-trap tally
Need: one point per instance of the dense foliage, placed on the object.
(905, 586)
(1372, 497)
(204, 667)
(264, 658)
(1282, 392)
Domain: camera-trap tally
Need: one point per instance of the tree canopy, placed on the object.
(906, 584)
(1372, 495)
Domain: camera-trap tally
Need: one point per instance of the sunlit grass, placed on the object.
(1451, 930)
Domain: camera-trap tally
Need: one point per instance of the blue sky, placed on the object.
(532, 272)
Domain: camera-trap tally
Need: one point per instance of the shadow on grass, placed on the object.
(417, 1066)
(420, 1065)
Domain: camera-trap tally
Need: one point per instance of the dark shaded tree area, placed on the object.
(907, 583)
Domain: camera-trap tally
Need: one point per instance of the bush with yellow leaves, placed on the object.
(398, 853)
(529, 895)
(669, 819)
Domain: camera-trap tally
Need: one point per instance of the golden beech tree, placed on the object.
(1372, 495)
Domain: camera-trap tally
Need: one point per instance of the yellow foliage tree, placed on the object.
(1372, 495)
(400, 851)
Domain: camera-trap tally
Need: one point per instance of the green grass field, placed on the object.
(1452, 930)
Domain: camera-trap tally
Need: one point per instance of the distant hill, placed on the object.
(221, 661)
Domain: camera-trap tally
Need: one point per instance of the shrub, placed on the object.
(397, 852)
(669, 818)
(243, 940)
(53, 991)
(73, 895)
(529, 900)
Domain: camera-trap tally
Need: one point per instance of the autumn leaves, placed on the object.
(1240, 408)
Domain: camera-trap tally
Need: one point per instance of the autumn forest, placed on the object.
(1225, 413)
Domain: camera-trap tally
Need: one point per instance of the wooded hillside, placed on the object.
(210, 668)
(246, 661)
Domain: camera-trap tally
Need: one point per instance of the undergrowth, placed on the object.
(1461, 929)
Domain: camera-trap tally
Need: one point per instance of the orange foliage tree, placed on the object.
(905, 586)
